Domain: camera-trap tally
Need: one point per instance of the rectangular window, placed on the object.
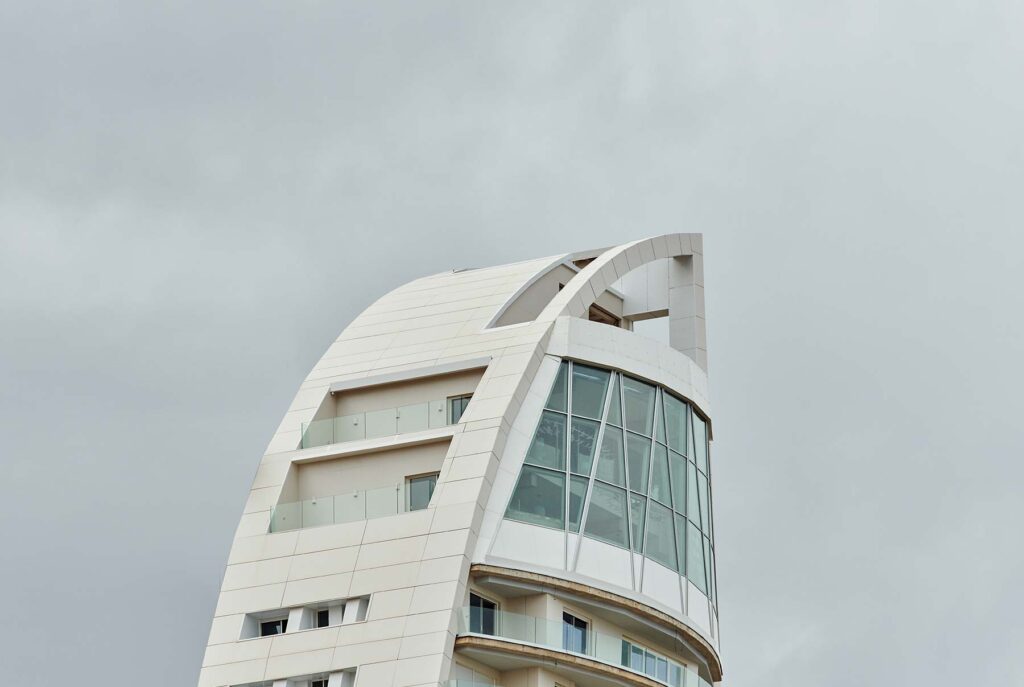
(649, 663)
(323, 618)
(269, 628)
(539, 498)
(419, 490)
(574, 634)
(548, 447)
(482, 615)
(456, 407)
(606, 518)
(318, 682)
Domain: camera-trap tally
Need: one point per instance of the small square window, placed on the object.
(456, 407)
(323, 618)
(419, 490)
(318, 682)
(268, 628)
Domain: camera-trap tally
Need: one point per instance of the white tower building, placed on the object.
(490, 479)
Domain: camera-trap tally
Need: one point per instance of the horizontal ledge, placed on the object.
(537, 653)
(362, 446)
(406, 375)
(600, 595)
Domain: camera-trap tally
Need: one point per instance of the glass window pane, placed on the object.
(638, 458)
(695, 557)
(615, 410)
(660, 480)
(714, 579)
(588, 390)
(323, 617)
(681, 543)
(637, 514)
(661, 539)
(700, 441)
(675, 417)
(606, 517)
(639, 401)
(482, 615)
(661, 670)
(558, 395)
(420, 491)
(636, 660)
(548, 447)
(649, 663)
(677, 468)
(692, 501)
(539, 498)
(582, 442)
(577, 493)
(611, 466)
(707, 561)
(574, 634)
(702, 488)
(659, 419)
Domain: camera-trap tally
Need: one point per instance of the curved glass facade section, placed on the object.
(626, 463)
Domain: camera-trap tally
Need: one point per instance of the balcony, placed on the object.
(383, 423)
(356, 505)
(610, 649)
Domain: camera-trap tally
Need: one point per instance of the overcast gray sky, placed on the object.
(196, 197)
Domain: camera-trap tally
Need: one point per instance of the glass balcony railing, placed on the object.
(332, 510)
(555, 634)
(375, 424)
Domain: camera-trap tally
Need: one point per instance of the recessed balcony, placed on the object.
(569, 636)
(377, 424)
(367, 504)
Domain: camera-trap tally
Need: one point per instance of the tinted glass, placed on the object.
(420, 491)
(692, 499)
(677, 469)
(661, 540)
(611, 465)
(614, 410)
(675, 417)
(574, 634)
(637, 514)
(323, 618)
(588, 390)
(702, 489)
(539, 498)
(681, 543)
(577, 494)
(582, 443)
(482, 615)
(273, 627)
(695, 557)
(606, 517)
(660, 483)
(700, 443)
(638, 458)
(548, 447)
(659, 420)
(558, 395)
(639, 401)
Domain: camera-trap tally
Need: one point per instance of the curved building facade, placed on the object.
(490, 478)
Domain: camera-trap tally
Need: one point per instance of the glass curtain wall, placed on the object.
(626, 463)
